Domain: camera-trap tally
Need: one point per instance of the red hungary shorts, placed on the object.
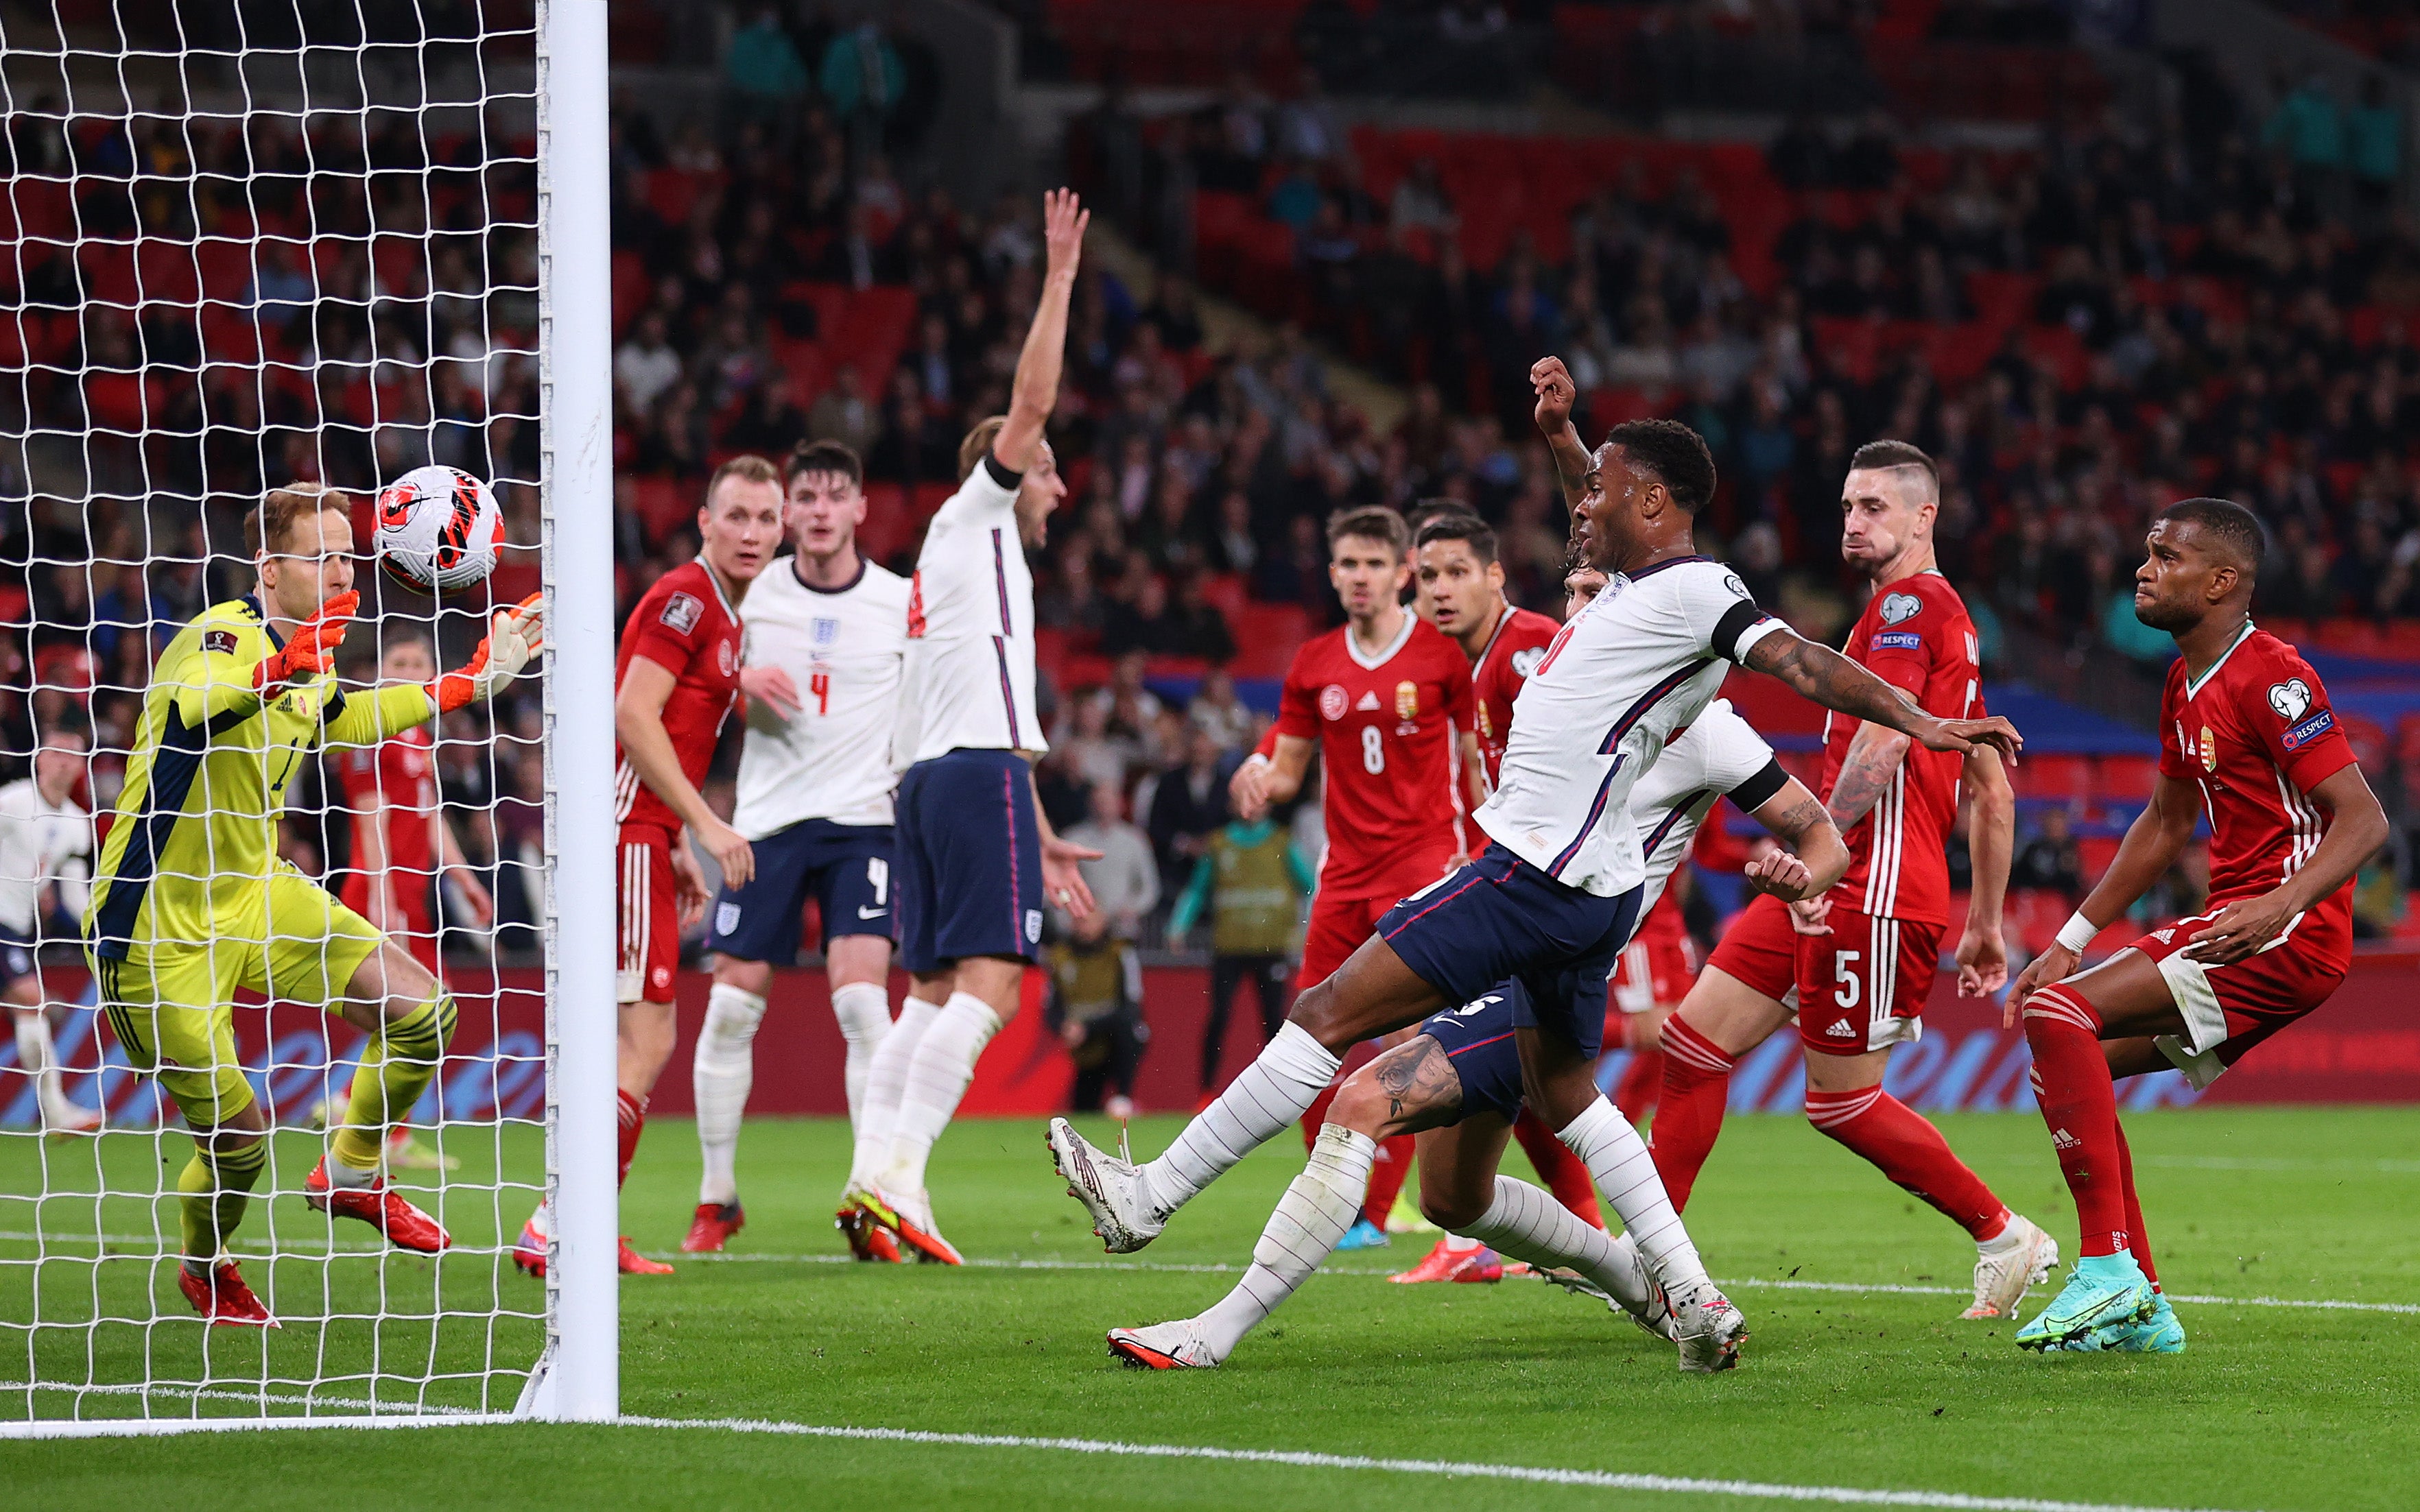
(1338, 927)
(1862, 987)
(650, 914)
(1654, 971)
(2228, 1009)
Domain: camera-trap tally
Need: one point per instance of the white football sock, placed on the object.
(1526, 1223)
(864, 1009)
(39, 1059)
(936, 1078)
(1617, 1158)
(1318, 1207)
(722, 1070)
(1268, 1095)
(1457, 1244)
(886, 1084)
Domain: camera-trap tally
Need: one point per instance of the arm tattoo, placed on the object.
(1419, 1081)
(1829, 678)
(1866, 774)
(1803, 816)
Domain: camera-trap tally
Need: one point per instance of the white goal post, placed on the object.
(235, 257)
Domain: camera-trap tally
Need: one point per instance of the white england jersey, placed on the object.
(39, 843)
(1642, 658)
(970, 627)
(843, 648)
(1719, 754)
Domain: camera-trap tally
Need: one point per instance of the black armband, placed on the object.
(1758, 789)
(1001, 474)
(1734, 624)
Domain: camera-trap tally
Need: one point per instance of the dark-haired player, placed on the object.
(2247, 735)
(1384, 700)
(1857, 964)
(1461, 588)
(1556, 891)
(823, 635)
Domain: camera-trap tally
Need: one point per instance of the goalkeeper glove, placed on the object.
(311, 649)
(517, 635)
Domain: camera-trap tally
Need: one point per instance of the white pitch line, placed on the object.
(2245, 1162)
(1849, 1288)
(1540, 1475)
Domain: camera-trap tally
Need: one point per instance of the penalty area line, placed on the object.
(1455, 1469)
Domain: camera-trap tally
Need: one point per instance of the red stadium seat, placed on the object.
(1265, 640)
(2062, 777)
(2122, 778)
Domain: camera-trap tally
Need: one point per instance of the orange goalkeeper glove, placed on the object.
(518, 634)
(311, 649)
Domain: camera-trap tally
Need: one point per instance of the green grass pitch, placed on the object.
(2271, 1408)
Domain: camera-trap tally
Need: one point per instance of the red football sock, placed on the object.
(1387, 1174)
(1565, 1174)
(2079, 1102)
(2136, 1239)
(1911, 1151)
(1634, 1095)
(633, 1115)
(1696, 1082)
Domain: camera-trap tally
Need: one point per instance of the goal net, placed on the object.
(248, 246)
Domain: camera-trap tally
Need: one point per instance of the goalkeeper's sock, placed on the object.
(631, 1110)
(211, 1194)
(1318, 1207)
(1689, 1114)
(722, 1071)
(886, 1086)
(936, 1078)
(396, 1067)
(1625, 1173)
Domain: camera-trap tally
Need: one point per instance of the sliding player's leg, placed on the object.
(167, 1009)
(1410, 1088)
(1861, 989)
(1746, 991)
(38, 1053)
(1372, 993)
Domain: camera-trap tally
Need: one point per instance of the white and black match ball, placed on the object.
(438, 528)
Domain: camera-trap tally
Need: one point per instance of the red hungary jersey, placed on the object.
(400, 774)
(2255, 733)
(1913, 634)
(1388, 728)
(1496, 678)
(683, 625)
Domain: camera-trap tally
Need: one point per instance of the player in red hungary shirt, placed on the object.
(1386, 700)
(1862, 959)
(2246, 735)
(1461, 590)
(676, 680)
(401, 846)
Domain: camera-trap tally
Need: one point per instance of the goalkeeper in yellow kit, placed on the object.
(192, 901)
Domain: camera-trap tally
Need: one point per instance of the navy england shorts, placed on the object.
(968, 864)
(1477, 1038)
(845, 867)
(1499, 918)
(16, 957)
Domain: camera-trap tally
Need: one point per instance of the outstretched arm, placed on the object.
(1036, 387)
(1824, 677)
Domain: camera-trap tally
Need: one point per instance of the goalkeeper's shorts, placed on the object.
(172, 1006)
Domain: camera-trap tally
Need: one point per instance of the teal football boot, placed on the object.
(2159, 1334)
(2102, 1290)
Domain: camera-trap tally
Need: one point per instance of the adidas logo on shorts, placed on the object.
(1840, 1030)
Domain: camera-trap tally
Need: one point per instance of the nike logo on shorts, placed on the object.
(864, 912)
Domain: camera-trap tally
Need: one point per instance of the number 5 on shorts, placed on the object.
(1844, 978)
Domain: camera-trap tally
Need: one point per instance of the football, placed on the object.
(438, 528)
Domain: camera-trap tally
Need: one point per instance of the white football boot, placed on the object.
(1163, 1346)
(2021, 1257)
(1109, 1186)
(1708, 1328)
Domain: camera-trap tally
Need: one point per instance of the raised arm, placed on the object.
(1824, 677)
(1573, 462)
(1991, 843)
(1036, 388)
(2153, 841)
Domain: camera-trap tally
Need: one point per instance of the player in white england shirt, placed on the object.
(976, 862)
(1554, 896)
(823, 635)
(45, 849)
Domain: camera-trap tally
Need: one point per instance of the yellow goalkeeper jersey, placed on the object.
(195, 833)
